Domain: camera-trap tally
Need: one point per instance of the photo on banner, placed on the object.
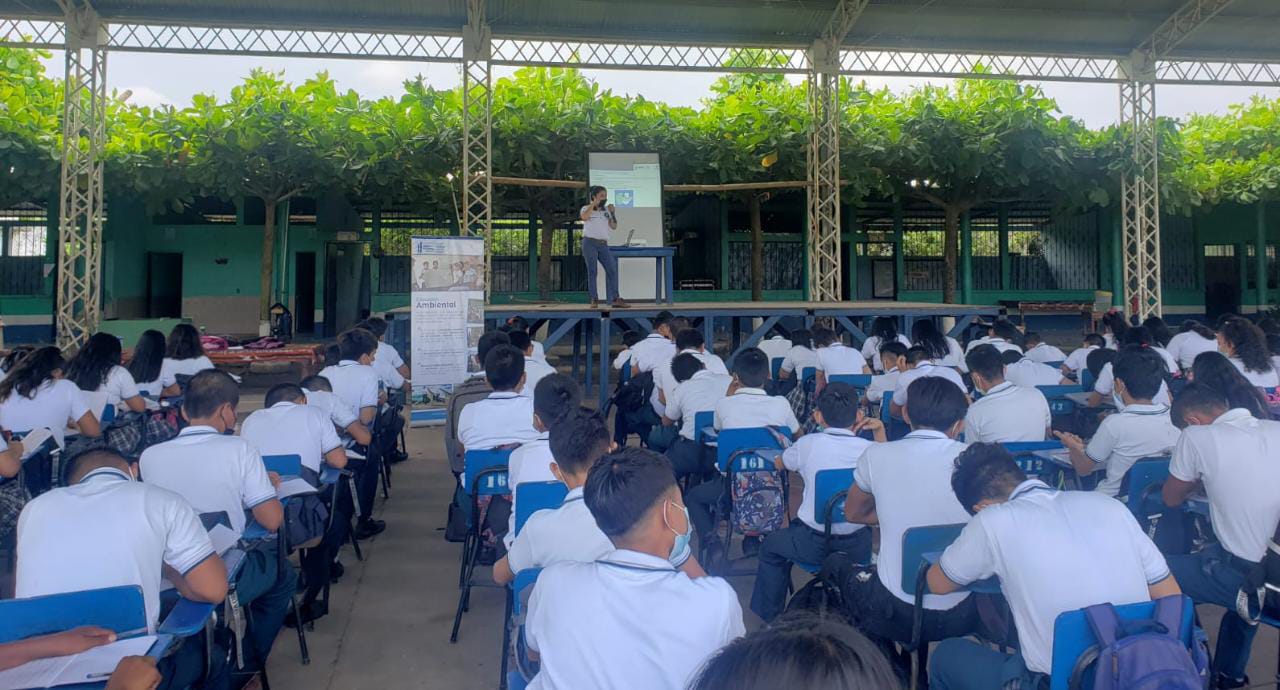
(448, 319)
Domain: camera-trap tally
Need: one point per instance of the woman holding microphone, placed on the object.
(598, 218)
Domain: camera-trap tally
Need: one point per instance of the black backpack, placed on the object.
(635, 393)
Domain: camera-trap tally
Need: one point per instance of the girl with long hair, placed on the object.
(884, 329)
(1214, 370)
(1192, 339)
(1246, 346)
(144, 366)
(941, 348)
(184, 356)
(36, 396)
(96, 369)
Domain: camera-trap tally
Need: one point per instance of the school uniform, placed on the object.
(287, 428)
(1185, 347)
(171, 369)
(539, 353)
(151, 389)
(1106, 387)
(803, 540)
(753, 407)
(387, 363)
(338, 413)
(1235, 458)
(838, 358)
(219, 473)
(1261, 379)
(998, 343)
(567, 533)
(665, 381)
(881, 384)
(1008, 412)
(355, 384)
(775, 347)
(1054, 551)
(921, 370)
(1136, 432)
(1077, 361)
(799, 358)
(622, 359)
(650, 351)
(1029, 373)
(871, 350)
(955, 356)
(1045, 352)
(627, 620)
(531, 462)
(700, 393)
(534, 371)
(503, 418)
(55, 403)
(119, 387)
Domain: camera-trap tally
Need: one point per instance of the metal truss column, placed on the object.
(79, 292)
(1140, 190)
(477, 139)
(823, 161)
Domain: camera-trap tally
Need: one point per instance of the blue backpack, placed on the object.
(1142, 654)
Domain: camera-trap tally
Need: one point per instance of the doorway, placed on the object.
(876, 275)
(1222, 281)
(346, 285)
(164, 285)
(304, 292)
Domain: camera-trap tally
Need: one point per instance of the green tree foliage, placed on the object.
(1232, 157)
(30, 128)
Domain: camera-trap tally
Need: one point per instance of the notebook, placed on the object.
(94, 664)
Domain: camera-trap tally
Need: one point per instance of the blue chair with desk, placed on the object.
(749, 455)
(1025, 454)
(290, 467)
(530, 498)
(830, 488)
(1075, 646)
(704, 432)
(1059, 404)
(484, 477)
(860, 382)
(894, 428)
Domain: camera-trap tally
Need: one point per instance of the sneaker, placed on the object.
(1222, 682)
(620, 304)
(370, 528)
(751, 545)
(336, 571)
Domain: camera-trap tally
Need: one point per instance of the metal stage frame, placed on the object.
(592, 330)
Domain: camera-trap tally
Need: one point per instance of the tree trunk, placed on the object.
(546, 238)
(268, 260)
(757, 248)
(950, 252)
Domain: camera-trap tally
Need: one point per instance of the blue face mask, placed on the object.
(679, 549)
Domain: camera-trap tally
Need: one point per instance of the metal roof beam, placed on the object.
(1176, 28)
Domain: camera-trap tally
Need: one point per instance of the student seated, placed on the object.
(519, 323)
(474, 388)
(1192, 339)
(1040, 351)
(1076, 361)
(132, 673)
(918, 366)
(649, 590)
(96, 369)
(655, 348)
(1001, 334)
(105, 529)
(145, 362)
(13, 494)
(556, 396)
(900, 485)
(35, 396)
(697, 390)
(1232, 454)
(1114, 326)
(776, 345)
(1141, 429)
(801, 356)
(387, 361)
(688, 341)
(834, 357)
(1214, 370)
(534, 369)
(940, 348)
(1005, 412)
(892, 356)
(1024, 372)
(504, 417)
(569, 533)
(184, 356)
(319, 394)
(1054, 552)
(884, 330)
(1246, 346)
(623, 358)
(16, 354)
(838, 446)
(356, 384)
(215, 473)
(798, 652)
(1104, 388)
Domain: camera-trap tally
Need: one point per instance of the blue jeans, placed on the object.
(1208, 578)
(266, 586)
(598, 251)
(963, 664)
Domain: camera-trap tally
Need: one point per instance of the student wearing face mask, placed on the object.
(586, 621)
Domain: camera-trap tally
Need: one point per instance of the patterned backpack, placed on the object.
(758, 491)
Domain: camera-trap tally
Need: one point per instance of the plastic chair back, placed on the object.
(730, 441)
(485, 471)
(829, 489)
(283, 465)
(1087, 380)
(702, 420)
(1143, 475)
(1022, 454)
(120, 609)
(1059, 404)
(918, 541)
(886, 403)
(524, 580)
(775, 367)
(534, 496)
(1072, 636)
(108, 414)
(861, 382)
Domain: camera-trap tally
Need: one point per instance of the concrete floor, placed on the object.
(389, 622)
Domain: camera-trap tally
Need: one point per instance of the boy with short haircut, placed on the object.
(838, 446)
(534, 369)
(354, 379)
(697, 390)
(556, 396)
(655, 348)
(629, 340)
(319, 394)
(748, 405)
(519, 323)
(1001, 334)
(1054, 552)
(920, 366)
(1233, 455)
(216, 473)
(387, 360)
(834, 357)
(1040, 351)
(892, 357)
(579, 612)
(1076, 361)
(1028, 373)
(688, 341)
(568, 533)
(474, 388)
(504, 417)
(1005, 412)
(1142, 429)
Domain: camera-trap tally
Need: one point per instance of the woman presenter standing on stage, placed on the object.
(598, 218)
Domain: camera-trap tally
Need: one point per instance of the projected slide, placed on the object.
(640, 186)
(634, 181)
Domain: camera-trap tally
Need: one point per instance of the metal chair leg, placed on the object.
(506, 639)
(302, 635)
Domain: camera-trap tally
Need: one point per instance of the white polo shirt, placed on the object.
(799, 358)
(1029, 373)
(1261, 379)
(652, 350)
(170, 369)
(212, 471)
(150, 388)
(749, 408)
(286, 428)
(1078, 359)
(911, 481)
(1007, 413)
(701, 393)
(1185, 347)
(56, 402)
(622, 359)
(921, 370)
(833, 449)
(1169, 362)
(997, 342)
(955, 355)
(777, 346)
(1236, 458)
(328, 403)
(534, 371)
(665, 381)
(119, 386)
(387, 363)
(568, 533)
(871, 350)
(1136, 432)
(839, 358)
(355, 384)
(500, 419)
(539, 353)
(628, 620)
(881, 384)
(107, 531)
(1044, 352)
(1055, 551)
(1106, 387)
(531, 462)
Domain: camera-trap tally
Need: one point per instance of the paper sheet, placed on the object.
(294, 487)
(33, 441)
(78, 668)
(223, 538)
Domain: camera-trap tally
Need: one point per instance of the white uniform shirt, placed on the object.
(1261, 379)
(503, 418)
(1236, 458)
(107, 531)
(839, 358)
(1078, 359)
(1045, 352)
(387, 363)
(1029, 374)
(911, 482)
(622, 359)
(628, 620)
(355, 384)
(1106, 387)
(750, 408)
(701, 393)
(775, 347)
(1007, 413)
(652, 350)
(170, 369)
(1185, 347)
(212, 471)
(286, 428)
(539, 353)
(328, 403)
(881, 384)
(921, 370)
(833, 449)
(596, 226)
(56, 402)
(871, 350)
(1055, 551)
(665, 381)
(955, 356)
(1169, 362)
(568, 533)
(799, 358)
(998, 343)
(119, 387)
(534, 371)
(1123, 438)
(531, 462)
(150, 388)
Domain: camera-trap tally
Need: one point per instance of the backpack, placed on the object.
(758, 491)
(635, 393)
(1141, 654)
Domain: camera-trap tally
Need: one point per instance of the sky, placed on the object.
(156, 79)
